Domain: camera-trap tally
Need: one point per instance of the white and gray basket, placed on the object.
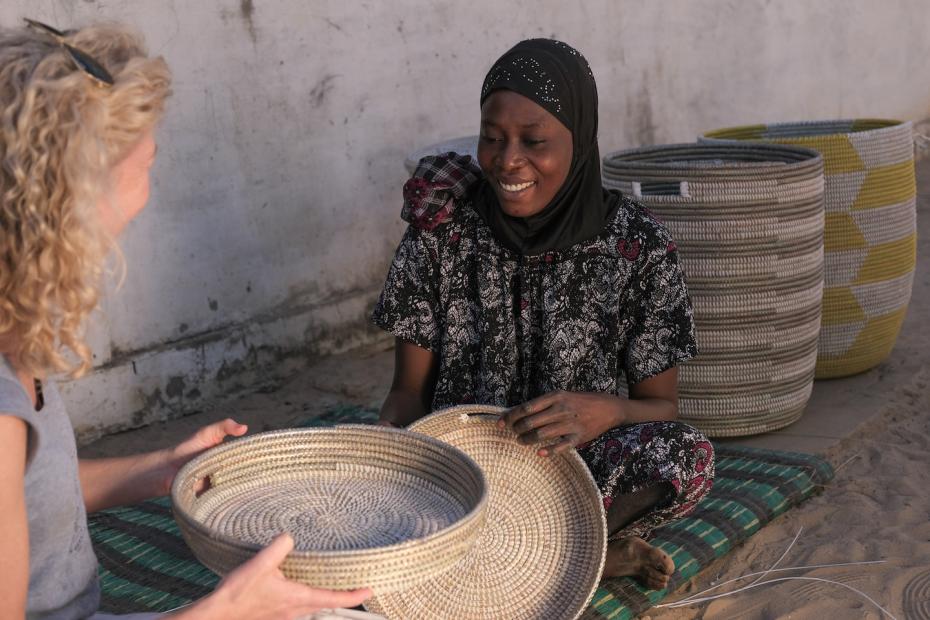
(748, 221)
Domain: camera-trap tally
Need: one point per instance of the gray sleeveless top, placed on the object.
(62, 565)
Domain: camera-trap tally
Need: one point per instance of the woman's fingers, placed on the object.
(549, 432)
(555, 430)
(530, 407)
(231, 427)
(217, 432)
(270, 558)
(315, 599)
(207, 437)
(268, 561)
(258, 589)
(568, 442)
(553, 415)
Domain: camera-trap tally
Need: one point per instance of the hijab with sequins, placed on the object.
(556, 77)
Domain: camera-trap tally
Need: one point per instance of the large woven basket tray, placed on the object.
(870, 240)
(542, 549)
(748, 222)
(367, 506)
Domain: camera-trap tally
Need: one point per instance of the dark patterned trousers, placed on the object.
(628, 459)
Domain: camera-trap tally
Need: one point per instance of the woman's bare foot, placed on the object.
(634, 557)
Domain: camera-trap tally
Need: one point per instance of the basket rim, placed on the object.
(403, 435)
(628, 159)
(885, 125)
(575, 462)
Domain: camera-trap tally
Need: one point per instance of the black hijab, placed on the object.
(557, 77)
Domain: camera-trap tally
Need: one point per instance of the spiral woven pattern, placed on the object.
(542, 549)
(916, 597)
(748, 222)
(367, 506)
(870, 239)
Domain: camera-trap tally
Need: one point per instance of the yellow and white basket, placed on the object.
(870, 240)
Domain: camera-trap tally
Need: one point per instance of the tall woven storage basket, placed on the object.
(870, 239)
(748, 221)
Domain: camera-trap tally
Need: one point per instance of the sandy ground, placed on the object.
(876, 508)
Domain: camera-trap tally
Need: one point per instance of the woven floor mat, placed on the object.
(146, 566)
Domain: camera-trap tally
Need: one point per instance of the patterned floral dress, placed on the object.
(506, 328)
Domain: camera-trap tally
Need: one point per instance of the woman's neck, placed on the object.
(7, 350)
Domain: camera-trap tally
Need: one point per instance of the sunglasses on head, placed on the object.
(84, 61)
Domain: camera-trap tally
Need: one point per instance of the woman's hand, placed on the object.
(124, 480)
(564, 419)
(569, 419)
(258, 590)
(204, 439)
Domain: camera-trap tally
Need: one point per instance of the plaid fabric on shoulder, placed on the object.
(439, 180)
(146, 566)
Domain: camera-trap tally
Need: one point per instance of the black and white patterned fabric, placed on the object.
(508, 327)
(632, 458)
(605, 313)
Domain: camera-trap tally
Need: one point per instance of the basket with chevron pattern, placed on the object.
(870, 239)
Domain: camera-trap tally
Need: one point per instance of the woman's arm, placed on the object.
(123, 480)
(126, 480)
(411, 392)
(569, 419)
(14, 526)
(653, 400)
(255, 591)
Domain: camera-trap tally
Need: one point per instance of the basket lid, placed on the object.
(541, 552)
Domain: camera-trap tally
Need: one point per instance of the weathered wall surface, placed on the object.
(276, 195)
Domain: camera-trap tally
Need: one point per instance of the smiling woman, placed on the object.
(538, 150)
(525, 284)
(525, 152)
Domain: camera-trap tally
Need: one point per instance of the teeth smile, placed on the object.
(519, 187)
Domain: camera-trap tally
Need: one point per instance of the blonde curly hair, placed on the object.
(60, 135)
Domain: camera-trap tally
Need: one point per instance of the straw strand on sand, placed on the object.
(698, 597)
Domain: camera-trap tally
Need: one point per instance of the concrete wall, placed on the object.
(277, 191)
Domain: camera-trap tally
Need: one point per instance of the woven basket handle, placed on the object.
(203, 485)
(660, 188)
(481, 412)
(490, 417)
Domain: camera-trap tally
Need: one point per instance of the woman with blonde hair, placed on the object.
(77, 114)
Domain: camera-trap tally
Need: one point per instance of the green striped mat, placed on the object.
(146, 566)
